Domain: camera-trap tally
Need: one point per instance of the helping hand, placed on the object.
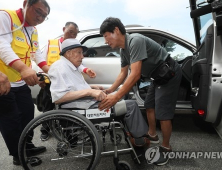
(29, 76)
(108, 91)
(108, 102)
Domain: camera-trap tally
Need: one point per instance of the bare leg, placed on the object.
(150, 113)
(166, 128)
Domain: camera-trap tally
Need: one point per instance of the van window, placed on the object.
(204, 21)
(176, 51)
(98, 48)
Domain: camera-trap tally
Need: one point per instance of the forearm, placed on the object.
(131, 80)
(116, 84)
(73, 95)
(45, 68)
(27, 73)
(120, 79)
(127, 86)
(96, 87)
(41, 61)
(19, 66)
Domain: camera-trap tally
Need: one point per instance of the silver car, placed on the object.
(201, 85)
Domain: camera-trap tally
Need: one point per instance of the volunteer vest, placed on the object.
(53, 52)
(20, 46)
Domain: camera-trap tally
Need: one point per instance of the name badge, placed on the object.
(96, 114)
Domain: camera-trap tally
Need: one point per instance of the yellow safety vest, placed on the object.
(53, 52)
(20, 46)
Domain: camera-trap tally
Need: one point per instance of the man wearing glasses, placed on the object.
(18, 44)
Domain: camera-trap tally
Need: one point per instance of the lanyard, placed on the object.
(30, 40)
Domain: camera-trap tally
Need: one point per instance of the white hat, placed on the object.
(71, 43)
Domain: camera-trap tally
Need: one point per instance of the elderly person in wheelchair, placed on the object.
(75, 141)
(69, 87)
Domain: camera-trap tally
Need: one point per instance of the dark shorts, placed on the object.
(163, 98)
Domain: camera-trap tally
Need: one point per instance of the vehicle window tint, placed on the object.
(203, 21)
(94, 42)
(98, 48)
(177, 51)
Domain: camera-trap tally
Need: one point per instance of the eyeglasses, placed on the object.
(39, 13)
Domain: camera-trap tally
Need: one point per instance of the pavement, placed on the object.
(186, 137)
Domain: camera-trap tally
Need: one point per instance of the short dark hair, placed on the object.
(73, 23)
(32, 2)
(109, 25)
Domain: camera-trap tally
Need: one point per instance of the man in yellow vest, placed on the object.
(19, 43)
(51, 54)
(52, 50)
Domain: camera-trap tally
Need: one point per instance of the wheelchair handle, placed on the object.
(43, 77)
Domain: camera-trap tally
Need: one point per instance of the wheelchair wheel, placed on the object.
(74, 143)
(56, 125)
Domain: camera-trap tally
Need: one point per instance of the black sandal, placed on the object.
(34, 161)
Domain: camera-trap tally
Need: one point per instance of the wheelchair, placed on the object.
(77, 139)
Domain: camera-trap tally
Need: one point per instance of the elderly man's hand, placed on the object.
(90, 73)
(4, 84)
(108, 102)
(98, 94)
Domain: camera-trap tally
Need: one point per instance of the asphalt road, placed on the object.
(186, 137)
